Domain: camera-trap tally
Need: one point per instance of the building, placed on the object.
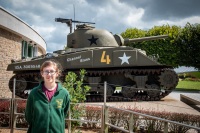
(17, 40)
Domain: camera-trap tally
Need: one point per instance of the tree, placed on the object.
(165, 49)
(188, 42)
(133, 33)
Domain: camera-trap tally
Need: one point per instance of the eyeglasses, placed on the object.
(49, 72)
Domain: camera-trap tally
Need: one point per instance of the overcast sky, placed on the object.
(114, 15)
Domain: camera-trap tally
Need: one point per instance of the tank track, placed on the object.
(116, 97)
(24, 81)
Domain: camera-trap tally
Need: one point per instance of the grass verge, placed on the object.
(188, 86)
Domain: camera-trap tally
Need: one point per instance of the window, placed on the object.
(35, 50)
(28, 50)
(24, 49)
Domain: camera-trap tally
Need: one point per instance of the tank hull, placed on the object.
(90, 58)
(138, 76)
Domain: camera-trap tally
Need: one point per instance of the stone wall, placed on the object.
(10, 48)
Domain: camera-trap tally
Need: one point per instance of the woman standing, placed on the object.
(48, 103)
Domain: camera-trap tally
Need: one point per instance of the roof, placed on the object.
(15, 25)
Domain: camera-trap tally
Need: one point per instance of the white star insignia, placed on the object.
(124, 58)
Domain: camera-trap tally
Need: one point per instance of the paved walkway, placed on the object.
(170, 103)
(167, 104)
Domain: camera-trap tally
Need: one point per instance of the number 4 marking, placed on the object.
(105, 58)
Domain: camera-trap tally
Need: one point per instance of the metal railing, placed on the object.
(13, 112)
(131, 120)
(106, 124)
(70, 119)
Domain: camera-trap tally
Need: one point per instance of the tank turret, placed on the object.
(105, 57)
(86, 35)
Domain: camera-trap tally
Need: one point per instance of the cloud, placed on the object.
(45, 32)
(166, 9)
(182, 22)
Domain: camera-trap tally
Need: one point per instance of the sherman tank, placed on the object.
(105, 57)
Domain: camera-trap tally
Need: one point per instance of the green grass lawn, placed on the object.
(188, 85)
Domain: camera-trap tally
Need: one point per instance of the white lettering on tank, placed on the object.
(27, 67)
(73, 58)
(84, 60)
(18, 67)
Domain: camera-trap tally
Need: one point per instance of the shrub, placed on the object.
(192, 79)
(121, 119)
(92, 113)
(74, 84)
(190, 76)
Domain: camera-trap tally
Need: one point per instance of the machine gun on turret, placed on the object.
(70, 21)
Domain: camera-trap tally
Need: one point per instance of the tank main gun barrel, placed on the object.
(127, 40)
